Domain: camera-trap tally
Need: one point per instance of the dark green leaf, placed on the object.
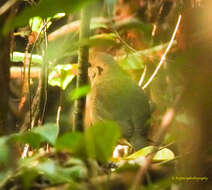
(50, 170)
(74, 172)
(48, 8)
(101, 139)
(69, 141)
(28, 177)
(79, 92)
(48, 132)
(4, 150)
(57, 174)
(32, 139)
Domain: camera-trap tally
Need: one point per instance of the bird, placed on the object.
(115, 96)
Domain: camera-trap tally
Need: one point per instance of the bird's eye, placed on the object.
(94, 72)
(100, 69)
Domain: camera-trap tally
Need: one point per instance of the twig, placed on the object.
(163, 58)
(29, 69)
(44, 78)
(58, 115)
(35, 112)
(166, 122)
(142, 76)
(117, 33)
(59, 109)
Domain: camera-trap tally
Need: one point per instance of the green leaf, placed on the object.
(142, 152)
(62, 75)
(32, 139)
(132, 62)
(162, 155)
(57, 174)
(48, 8)
(101, 139)
(74, 172)
(28, 176)
(50, 170)
(48, 132)
(70, 141)
(79, 92)
(59, 15)
(35, 23)
(4, 150)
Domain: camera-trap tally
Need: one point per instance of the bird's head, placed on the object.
(101, 64)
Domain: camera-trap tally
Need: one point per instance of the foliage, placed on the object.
(48, 8)
(62, 75)
(76, 143)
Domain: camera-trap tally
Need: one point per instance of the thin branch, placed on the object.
(82, 78)
(36, 103)
(29, 69)
(163, 58)
(119, 25)
(142, 76)
(44, 78)
(165, 124)
(6, 6)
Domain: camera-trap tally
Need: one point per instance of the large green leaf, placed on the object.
(71, 142)
(101, 140)
(50, 170)
(48, 8)
(164, 154)
(47, 132)
(30, 138)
